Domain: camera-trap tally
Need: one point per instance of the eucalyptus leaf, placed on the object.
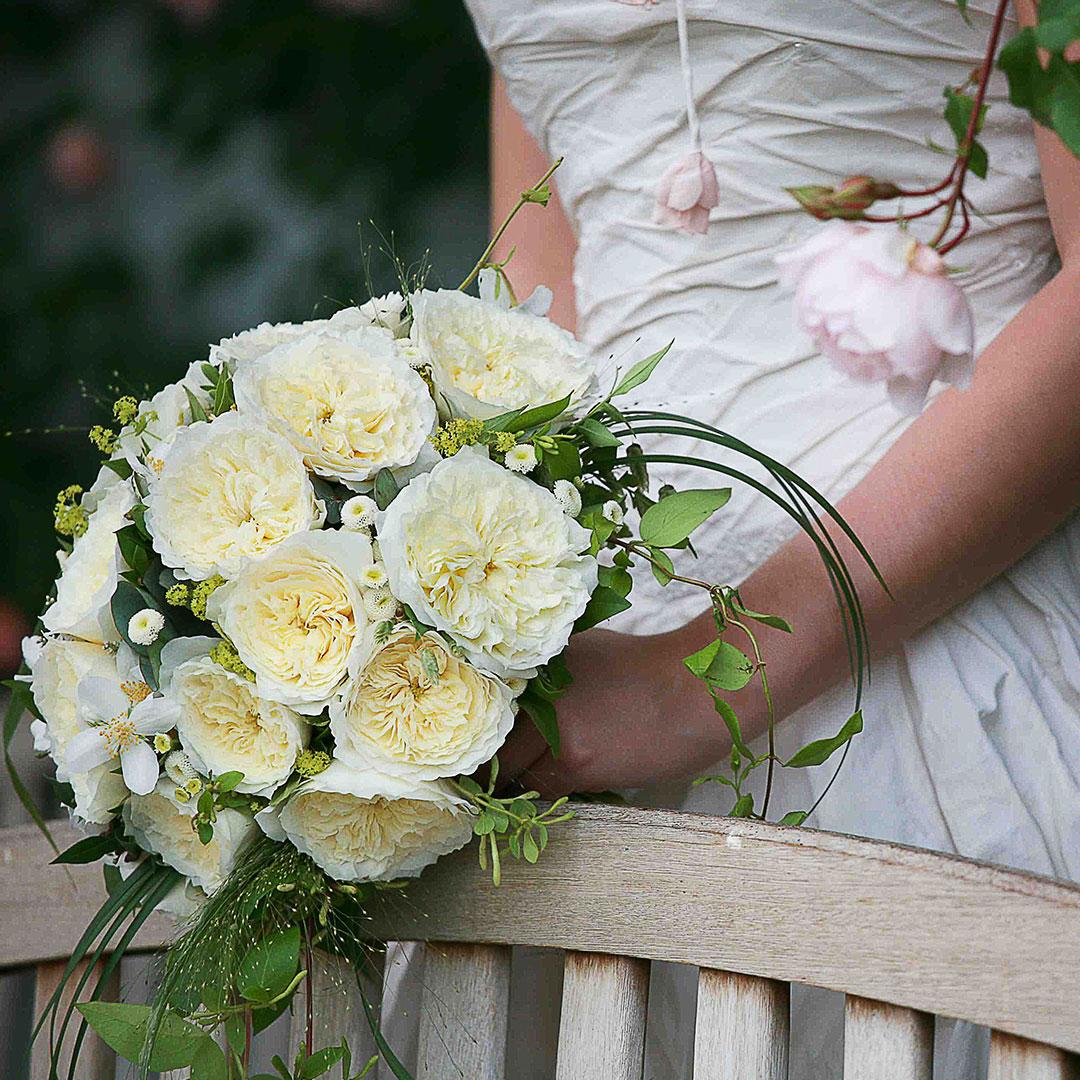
(675, 517)
(820, 750)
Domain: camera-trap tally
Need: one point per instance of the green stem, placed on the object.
(633, 547)
(482, 261)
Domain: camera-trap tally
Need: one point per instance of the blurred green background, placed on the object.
(174, 171)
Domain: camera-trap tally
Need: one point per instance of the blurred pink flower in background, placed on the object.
(879, 305)
(77, 158)
(686, 193)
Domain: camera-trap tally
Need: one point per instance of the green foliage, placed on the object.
(959, 107)
(640, 372)
(820, 750)
(386, 488)
(123, 1028)
(671, 521)
(604, 603)
(89, 849)
(270, 967)
(1050, 92)
(722, 665)
(20, 702)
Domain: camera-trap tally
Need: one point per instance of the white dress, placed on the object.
(972, 738)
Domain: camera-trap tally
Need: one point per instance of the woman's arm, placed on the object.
(543, 238)
(971, 486)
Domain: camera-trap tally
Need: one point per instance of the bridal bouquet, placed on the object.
(311, 588)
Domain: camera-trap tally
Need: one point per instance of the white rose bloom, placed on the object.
(347, 402)
(387, 312)
(416, 711)
(163, 826)
(489, 558)
(486, 359)
(249, 345)
(229, 491)
(223, 724)
(363, 826)
(57, 666)
(296, 614)
(90, 573)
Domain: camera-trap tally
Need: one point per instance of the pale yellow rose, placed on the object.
(417, 711)
(229, 491)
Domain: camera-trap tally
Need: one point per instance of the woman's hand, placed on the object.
(633, 717)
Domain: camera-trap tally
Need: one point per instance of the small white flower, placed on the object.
(412, 354)
(568, 497)
(613, 512)
(119, 729)
(374, 576)
(380, 604)
(521, 458)
(145, 626)
(358, 513)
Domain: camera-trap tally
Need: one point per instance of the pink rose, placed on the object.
(879, 305)
(686, 193)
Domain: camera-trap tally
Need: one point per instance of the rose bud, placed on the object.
(879, 305)
(855, 195)
(686, 193)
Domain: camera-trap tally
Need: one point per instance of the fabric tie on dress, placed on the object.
(688, 189)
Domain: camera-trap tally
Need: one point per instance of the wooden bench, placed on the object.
(904, 933)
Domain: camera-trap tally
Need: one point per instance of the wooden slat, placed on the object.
(742, 1027)
(96, 1061)
(961, 939)
(336, 1007)
(463, 1012)
(602, 1031)
(1013, 1058)
(887, 1042)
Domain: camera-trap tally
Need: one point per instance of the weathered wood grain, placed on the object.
(96, 1061)
(463, 1012)
(742, 1027)
(602, 1032)
(887, 1042)
(1013, 1058)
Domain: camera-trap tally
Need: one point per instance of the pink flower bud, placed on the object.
(879, 305)
(686, 193)
(78, 159)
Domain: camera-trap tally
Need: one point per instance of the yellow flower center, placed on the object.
(119, 734)
(136, 691)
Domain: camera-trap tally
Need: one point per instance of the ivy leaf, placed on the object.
(604, 603)
(722, 665)
(820, 750)
(641, 371)
(269, 967)
(676, 516)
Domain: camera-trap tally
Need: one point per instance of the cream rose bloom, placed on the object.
(362, 826)
(229, 491)
(296, 614)
(486, 358)
(90, 573)
(247, 346)
(160, 825)
(223, 724)
(387, 312)
(489, 558)
(416, 711)
(346, 401)
(57, 666)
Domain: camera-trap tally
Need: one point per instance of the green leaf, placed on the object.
(530, 849)
(675, 517)
(731, 722)
(821, 750)
(769, 620)
(540, 414)
(963, 6)
(89, 850)
(722, 665)
(197, 411)
(386, 488)
(319, 1062)
(228, 781)
(128, 601)
(564, 462)
(958, 109)
(483, 824)
(269, 967)
(744, 806)
(598, 434)
(616, 578)
(663, 572)
(22, 700)
(209, 1062)
(641, 371)
(542, 713)
(118, 466)
(795, 817)
(122, 1028)
(604, 603)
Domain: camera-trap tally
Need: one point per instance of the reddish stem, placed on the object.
(309, 1018)
(907, 217)
(946, 248)
(964, 159)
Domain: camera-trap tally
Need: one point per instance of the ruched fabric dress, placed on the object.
(972, 739)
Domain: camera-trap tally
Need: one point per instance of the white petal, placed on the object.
(85, 751)
(140, 766)
(101, 699)
(155, 716)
